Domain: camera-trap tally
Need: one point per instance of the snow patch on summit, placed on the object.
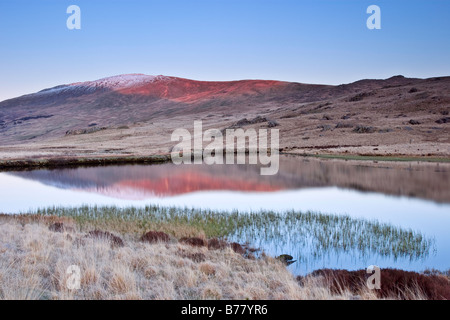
(121, 81)
(112, 83)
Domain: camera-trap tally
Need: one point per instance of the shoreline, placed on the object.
(235, 227)
(156, 265)
(80, 161)
(362, 157)
(57, 162)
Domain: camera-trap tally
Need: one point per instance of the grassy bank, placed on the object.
(34, 262)
(357, 157)
(35, 255)
(36, 163)
(83, 161)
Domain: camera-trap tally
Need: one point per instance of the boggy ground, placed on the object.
(37, 251)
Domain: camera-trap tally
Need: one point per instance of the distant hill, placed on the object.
(350, 115)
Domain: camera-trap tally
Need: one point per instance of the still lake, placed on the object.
(409, 195)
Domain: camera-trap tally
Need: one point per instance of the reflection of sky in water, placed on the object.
(428, 217)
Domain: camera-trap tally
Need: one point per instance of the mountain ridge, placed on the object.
(151, 78)
(146, 108)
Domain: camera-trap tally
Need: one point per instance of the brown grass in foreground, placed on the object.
(398, 284)
(34, 260)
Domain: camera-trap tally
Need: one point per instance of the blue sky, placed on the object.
(313, 41)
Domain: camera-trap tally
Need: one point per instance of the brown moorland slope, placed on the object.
(136, 114)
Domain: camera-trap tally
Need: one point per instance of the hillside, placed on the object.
(135, 115)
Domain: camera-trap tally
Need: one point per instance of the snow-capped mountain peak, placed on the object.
(113, 83)
(121, 81)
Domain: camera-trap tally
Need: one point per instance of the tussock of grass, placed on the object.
(398, 284)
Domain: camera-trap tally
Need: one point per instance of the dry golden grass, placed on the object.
(132, 228)
(34, 263)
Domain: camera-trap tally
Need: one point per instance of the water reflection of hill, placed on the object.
(421, 180)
